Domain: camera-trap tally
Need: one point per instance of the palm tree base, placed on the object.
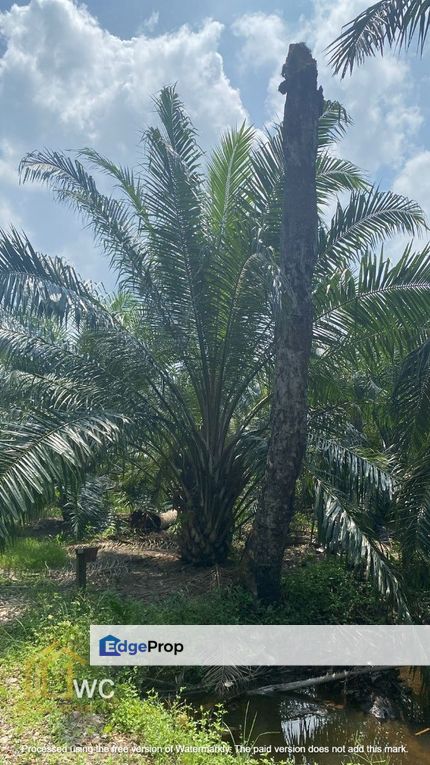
(202, 542)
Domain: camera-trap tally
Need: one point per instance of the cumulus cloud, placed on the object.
(264, 39)
(70, 74)
(380, 95)
(67, 83)
(413, 180)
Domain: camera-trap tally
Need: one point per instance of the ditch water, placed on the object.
(321, 719)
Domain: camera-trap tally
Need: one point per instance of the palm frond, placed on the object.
(31, 283)
(333, 124)
(352, 470)
(369, 218)
(411, 395)
(113, 225)
(378, 310)
(87, 508)
(335, 175)
(228, 173)
(341, 529)
(50, 450)
(387, 22)
(413, 507)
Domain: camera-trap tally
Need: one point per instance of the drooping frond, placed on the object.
(387, 22)
(413, 507)
(335, 175)
(368, 218)
(36, 284)
(411, 396)
(48, 450)
(333, 124)
(342, 528)
(348, 469)
(86, 507)
(377, 310)
(113, 225)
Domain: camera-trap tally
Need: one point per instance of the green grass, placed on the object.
(28, 554)
(321, 590)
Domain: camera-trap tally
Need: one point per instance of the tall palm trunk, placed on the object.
(265, 548)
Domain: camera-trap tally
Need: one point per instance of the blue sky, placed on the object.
(73, 75)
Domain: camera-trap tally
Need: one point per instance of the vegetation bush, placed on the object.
(323, 589)
(27, 553)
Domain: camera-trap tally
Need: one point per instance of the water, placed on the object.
(325, 720)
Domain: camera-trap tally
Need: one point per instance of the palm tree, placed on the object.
(179, 378)
(387, 22)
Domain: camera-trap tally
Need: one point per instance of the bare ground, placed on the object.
(146, 567)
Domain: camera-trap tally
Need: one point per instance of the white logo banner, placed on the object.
(248, 645)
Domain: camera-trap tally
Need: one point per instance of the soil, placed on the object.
(144, 566)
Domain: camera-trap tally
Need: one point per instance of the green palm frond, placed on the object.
(113, 225)
(411, 395)
(36, 284)
(368, 218)
(343, 528)
(87, 507)
(333, 124)
(335, 175)
(40, 453)
(413, 508)
(228, 175)
(377, 310)
(348, 468)
(387, 22)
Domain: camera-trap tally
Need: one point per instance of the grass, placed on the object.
(29, 554)
(321, 590)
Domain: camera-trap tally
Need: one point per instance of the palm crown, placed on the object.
(175, 372)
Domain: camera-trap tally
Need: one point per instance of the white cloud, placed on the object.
(413, 180)
(70, 75)
(67, 83)
(380, 95)
(264, 40)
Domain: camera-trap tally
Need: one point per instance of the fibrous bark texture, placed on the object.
(303, 107)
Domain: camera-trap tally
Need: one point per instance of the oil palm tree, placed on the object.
(182, 377)
(386, 23)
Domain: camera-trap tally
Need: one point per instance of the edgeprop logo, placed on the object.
(110, 645)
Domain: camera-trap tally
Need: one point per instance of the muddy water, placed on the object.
(322, 721)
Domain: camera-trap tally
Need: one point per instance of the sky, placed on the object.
(75, 75)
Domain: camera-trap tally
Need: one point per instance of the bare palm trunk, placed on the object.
(265, 548)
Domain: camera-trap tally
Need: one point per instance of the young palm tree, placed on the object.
(180, 380)
(387, 22)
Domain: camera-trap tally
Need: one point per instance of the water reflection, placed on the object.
(300, 722)
(318, 721)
